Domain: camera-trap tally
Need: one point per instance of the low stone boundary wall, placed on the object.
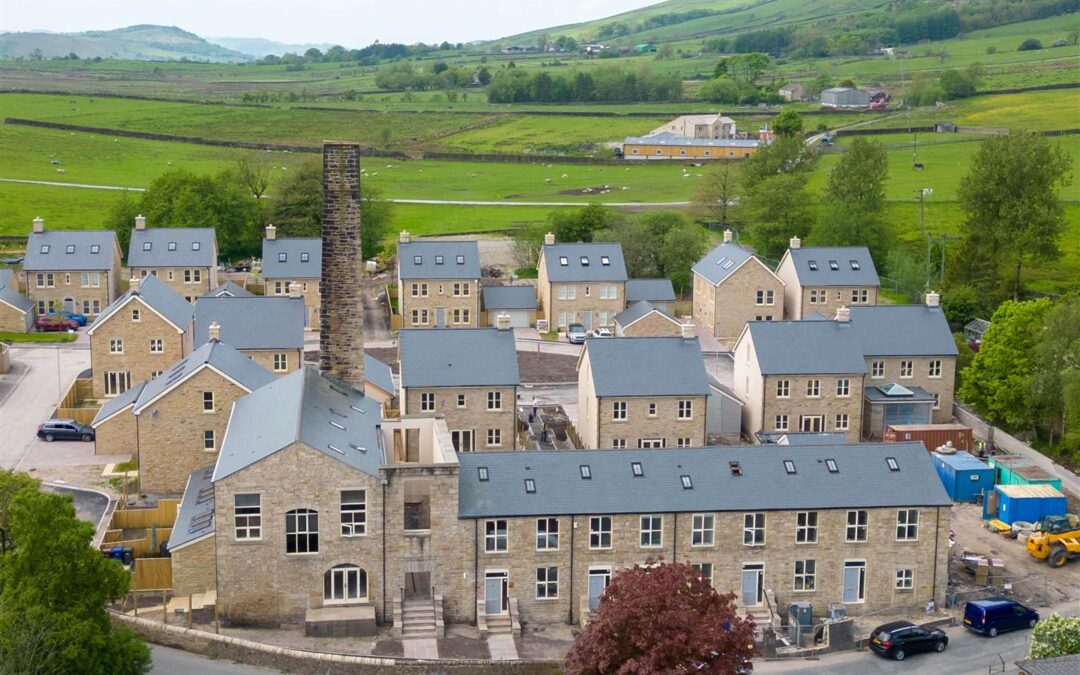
(313, 663)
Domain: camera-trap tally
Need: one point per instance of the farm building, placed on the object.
(667, 145)
(698, 126)
(793, 91)
(965, 478)
(845, 97)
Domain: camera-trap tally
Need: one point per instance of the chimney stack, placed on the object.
(502, 321)
(341, 316)
(133, 284)
(295, 290)
(39, 224)
(215, 331)
(271, 233)
(688, 331)
(549, 239)
(727, 236)
(403, 237)
(140, 222)
(843, 314)
(795, 243)
(933, 299)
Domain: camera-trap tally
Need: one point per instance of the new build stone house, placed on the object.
(731, 287)
(642, 319)
(141, 334)
(185, 258)
(800, 376)
(16, 310)
(580, 283)
(230, 290)
(657, 292)
(438, 283)
(646, 392)
(289, 261)
(73, 270)
(269, 330)
(469, 378)
(820, 280)
(699, 126)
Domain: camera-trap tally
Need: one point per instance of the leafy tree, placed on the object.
(976, 73)
(298, 205)
(483, 76)
(1056, 382)
(640, 250)
(716, 195)
(721, 68)
(999, 381)
(855, 200)
(820, 84)
(1030, 44)
(749, 67)
(956, 84)
(773, 204)
(527, 241)
(53, 589)
(849, 83)
(683, 245)
(665, 618)
(908, 273)
(1013, 215)
(580, 225)
(720, 90)
(962, 303)
(1055, 635)
(121, 219)
(788, 123)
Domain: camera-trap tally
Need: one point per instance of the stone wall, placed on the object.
(13, 320)
(736, 301)
(137, 358)
(174, 279)
(474, 415)
(69, 285)
(586, 299)
(834, 298)
(828, 403)
(653, 324)
(117, 436)
(194, 568)
(664, 425)
(440, 296)
(294, 359)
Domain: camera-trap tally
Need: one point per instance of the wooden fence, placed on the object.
(162, 515)
(81, 390)
(147, 545)
(151, 574)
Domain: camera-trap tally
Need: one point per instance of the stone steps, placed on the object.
(499, 624)
(418, 620)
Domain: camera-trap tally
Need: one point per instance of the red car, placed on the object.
(55, 322)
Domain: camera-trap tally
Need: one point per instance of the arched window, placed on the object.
(302, 531)
(343, 584)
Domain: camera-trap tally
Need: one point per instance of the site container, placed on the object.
(931, 435)
(1017, 470)
(1029, 503)
(966, 478)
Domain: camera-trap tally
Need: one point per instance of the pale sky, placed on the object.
(353, 23)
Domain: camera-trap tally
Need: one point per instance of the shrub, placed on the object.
(1055, 636)
(992, 49)
(1029, 44)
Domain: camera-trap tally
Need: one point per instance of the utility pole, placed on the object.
(923, 194)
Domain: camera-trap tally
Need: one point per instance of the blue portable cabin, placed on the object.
(1028, 503)
(966, 478)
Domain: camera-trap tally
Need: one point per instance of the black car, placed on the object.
(64, 430)
(898, 639)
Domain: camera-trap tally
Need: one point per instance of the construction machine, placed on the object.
(1055, 539)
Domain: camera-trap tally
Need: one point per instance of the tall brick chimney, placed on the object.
(341, 316)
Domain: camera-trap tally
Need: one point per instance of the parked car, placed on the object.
(576, 333)
(55, 322)
(15, 260)
(898, 639)
(64, 430)
(77, 318)
(602, 332)
(991, 616)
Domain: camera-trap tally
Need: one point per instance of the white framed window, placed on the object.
(494, 437)
(618, 410)
(907, 525)
(906, 368)
(856, 526)
(652, 410)
(494, 400)
(427, 401)
(136, 315)
(805, 575)
(806, 527)
(344, 584)
(547, 583)
(571, 292)
(600, 532)
(157, 345)
(461, 400)
(813, 388)
(301, 531)
(353, 513)
(754, 529)
(841, 422)
(208, 401)
(547, 534)
(877, 369)
(91, 279)
(247, 517)
(780, 423)
(686, 409)
(116, 346)
(935, 368)
(495, 538)
(765, 297)
(702, 529)
(682, 442)
(843, 387)
(652, 531)
(937, 401)
(281, 362)
(814, 297)
(209, 440)
(117, 382)
(618, 443)
(783, 388)
(42, 308)
(905, 579)
(652, 443)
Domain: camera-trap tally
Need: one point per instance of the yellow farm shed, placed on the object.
(673, 146)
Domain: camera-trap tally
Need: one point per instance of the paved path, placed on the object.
(502, 647)
(421, 648)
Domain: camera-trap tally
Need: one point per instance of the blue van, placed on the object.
(991, 616)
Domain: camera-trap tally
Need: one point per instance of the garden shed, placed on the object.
(966, 478)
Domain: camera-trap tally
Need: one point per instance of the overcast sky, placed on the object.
(354, 23)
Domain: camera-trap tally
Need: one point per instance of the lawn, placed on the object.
(551, 134)
(429, 220)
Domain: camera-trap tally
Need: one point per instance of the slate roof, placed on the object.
(806, 348)
(326, 415)
(231, 290)
(584, 262)
(509, 297)
(636, 311)
(647, 366)
(195, 518)
(5, 276)
(902, 330)
(379, 374)
(667, 138)
(117, 403)
(293, 266)
(458, 357)
(219, 356)
(653, 290)
(863, 480)
(723, 388)
(1055, 665)
(15, 299)
(845, 273)
(275, 322)
(48, 251)
(183, 254)
(157, 295)
(439, 260)
(720, 262)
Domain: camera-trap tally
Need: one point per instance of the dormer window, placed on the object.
(563, 261)
(855, 265)
(812, 264)
(605, 261)
(461, 260)
(586, 472)
(147, 245)
(44, 248)
(830, 464)
(482, 473)
(95, 248)
(584, 261)
(418, 260)
(438, 260)
(195, 245)
(530, 486)
(636, 469)
(833, 265)
(282, 257)
(70, 249)
(172, 245)
(305, 256)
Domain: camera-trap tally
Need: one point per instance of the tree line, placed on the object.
(607, 84)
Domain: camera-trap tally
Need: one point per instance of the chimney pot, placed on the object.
(140, 222)
(271, 233)
(795, 243)
(134, 284)
(549, 239)
(727, 236)
(502, 322)
(39, 224)
(215, 331)
(843, 315)
(933, 299)
(404, 237)
(295, 290)
(688, 331)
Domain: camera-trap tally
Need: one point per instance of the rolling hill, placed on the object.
(260, 47)
(138, 43)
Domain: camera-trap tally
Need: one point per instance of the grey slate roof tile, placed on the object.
(195, 518)
(584, 262)
(190, 247)
(160, 297)
(441, 259)
(902, 330)
(218, 355)
(15, 299)
(854, 266)
(48, 251)
(275, 322)
(379, 374)
(652, 290)
(647, 366)
(457, 357)
(509, 297)
(636, 311)
(117, 403)
(806, 348)
(231, 290)
(720, 262)
(302, 258)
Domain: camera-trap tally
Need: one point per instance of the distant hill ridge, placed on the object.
(141, 43)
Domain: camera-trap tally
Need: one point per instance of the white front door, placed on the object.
(854, 581)
(495, 592)
(440, 318)
(586, 319)
(599, 578)
(752, 584)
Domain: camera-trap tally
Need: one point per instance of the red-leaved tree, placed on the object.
(663, 618)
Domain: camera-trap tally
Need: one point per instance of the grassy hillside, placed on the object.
(140, 43)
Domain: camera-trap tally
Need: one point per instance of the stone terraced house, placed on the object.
(185, 258)
(73, 270)
(269, 330)
(468, 377)
(291, 261)
(438, 283)
(141, 334)
(731, 287)
(580, 283)
(820, 280)
(644, 392)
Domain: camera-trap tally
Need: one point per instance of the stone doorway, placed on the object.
(417, 585)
